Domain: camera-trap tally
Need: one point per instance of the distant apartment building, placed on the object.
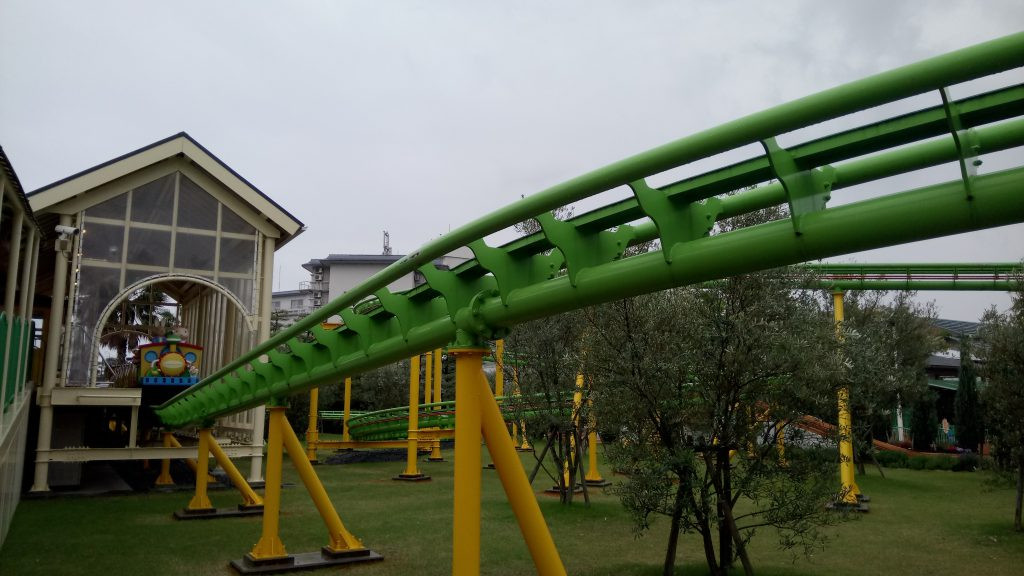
(334, 275)
(288, 306)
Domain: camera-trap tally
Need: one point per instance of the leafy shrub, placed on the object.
(917, 463)
(967, 462)
(939, 463)
(892, 459)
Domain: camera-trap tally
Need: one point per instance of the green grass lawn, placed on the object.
(921, 522)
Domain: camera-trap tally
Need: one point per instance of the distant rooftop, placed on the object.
(957, 327)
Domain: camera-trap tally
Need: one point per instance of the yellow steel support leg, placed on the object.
(164, 479)
(517, 486)
(435, 446)
(428, 383)
(466, 529)
(201, 501)
(348, 410)
(850, 491)
(188, 461)
(412, 448)
(525, 446)
(428, 377)
(499, 365)
(312, 434)
(249, 497)
(437, 375)
(270, 544)
(780, 441)
(593, 477)
(341, 540)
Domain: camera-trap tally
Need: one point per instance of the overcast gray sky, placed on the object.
(417, 117)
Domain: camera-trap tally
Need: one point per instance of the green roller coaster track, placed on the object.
(583, 261)
(393, 423)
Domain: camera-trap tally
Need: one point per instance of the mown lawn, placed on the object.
(921, 522)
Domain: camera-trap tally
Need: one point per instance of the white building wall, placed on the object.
(345, 276)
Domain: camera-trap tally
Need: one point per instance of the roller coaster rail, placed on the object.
(583, 261)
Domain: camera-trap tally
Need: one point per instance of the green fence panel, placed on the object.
(12, 368)
(3, 367)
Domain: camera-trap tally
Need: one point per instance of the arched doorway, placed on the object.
(213, 315)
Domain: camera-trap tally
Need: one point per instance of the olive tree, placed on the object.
(699, 384)
(1001, 344)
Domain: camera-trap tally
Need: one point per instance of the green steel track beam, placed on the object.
(583, 261)
(960, 276)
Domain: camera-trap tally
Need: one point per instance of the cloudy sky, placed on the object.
(417, 117)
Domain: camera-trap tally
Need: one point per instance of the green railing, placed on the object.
(393, 423)
(977, 276)
(584, 260)
(15, 371)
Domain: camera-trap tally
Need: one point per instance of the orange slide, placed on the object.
(822, 428)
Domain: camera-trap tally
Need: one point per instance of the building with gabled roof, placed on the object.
(167, 226)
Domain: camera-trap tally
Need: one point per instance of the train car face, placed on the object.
(173, 364)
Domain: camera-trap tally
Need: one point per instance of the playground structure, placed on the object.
(581, 261)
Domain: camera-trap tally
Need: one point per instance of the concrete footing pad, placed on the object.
(210, 513)
(412, 477)
(308, 561)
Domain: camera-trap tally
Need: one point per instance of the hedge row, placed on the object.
(967, 462)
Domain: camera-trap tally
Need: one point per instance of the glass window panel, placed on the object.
(97, 287)
(194, 252)
(133, 276)
(152, 203)
(196, 208)
(242, 288)
(103, 241)
(237, 255)
(150, 247)
(113, 208)
(231, 222)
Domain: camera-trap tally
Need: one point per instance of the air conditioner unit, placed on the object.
(318, 276)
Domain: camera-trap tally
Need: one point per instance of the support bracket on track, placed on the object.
(581, 249)
(807, 191)
(966, 142)
(675, 223)
(512, 272)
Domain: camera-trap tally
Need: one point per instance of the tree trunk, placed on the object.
(1020, 494)
(673, 535)
(705, 533)
(724, 500)
(741, 550)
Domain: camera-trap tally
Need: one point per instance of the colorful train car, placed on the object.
(166, 366)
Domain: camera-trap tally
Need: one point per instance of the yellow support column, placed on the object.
(348, 410)
(250, 500)
(435, 446)
(513, 479)
(428, 377)
(466, 528)
(270, 547)
(269, 554)
(525, 446)
(428, 384)
(312, 434)
(780, 441)
(851, 495)
(412, 472)
(499, 368)
(437, 375)
(164, 479)
(200, 503)
(342, 542)
(593, 476)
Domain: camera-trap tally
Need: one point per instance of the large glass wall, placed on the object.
(168, 226)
